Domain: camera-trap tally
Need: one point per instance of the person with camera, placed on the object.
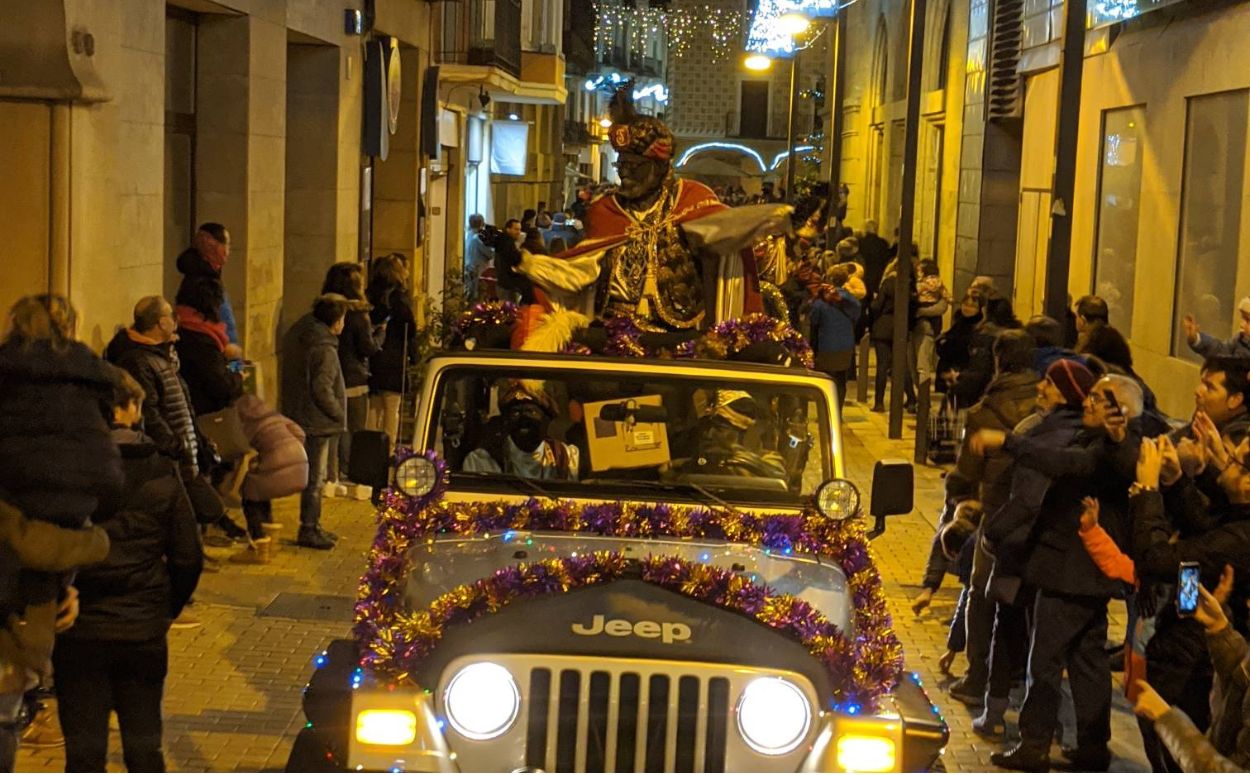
(1226, 745)
(1166, 501)
(1036, 539)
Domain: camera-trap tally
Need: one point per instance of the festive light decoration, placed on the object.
(484, 313)
(618, 25)
(609, 81)
(726, 339)
(779, 158)
(694, 150)
(394, 641)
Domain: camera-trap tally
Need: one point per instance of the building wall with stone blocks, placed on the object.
(275, 89)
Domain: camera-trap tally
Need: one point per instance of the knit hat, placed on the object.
(1072, 380)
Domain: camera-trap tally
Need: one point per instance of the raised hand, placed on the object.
(1149, 705)
(1210, 613)
(1192, 332)
(986, 441)
(1149, 464)
(1193, 456)
(1089, 516)
(1171, 471)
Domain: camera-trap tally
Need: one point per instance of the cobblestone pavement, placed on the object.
(232, 700)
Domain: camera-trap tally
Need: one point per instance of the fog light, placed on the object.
(415, 477)
(389, 726)
(866, 753)
(838, 499)
(773, 716)
(482, 701)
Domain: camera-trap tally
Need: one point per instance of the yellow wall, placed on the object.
(25, 137)
(1159, 67)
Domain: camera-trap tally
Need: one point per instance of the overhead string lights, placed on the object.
(620, 26)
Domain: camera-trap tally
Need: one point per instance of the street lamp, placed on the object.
(757, 62)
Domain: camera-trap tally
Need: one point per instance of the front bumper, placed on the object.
(909, 727)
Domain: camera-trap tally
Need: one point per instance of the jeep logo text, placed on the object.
(667, 632)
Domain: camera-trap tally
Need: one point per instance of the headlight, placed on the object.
(415, 477)
(482, 701)
(838, 499)
(773, 716)
(389, 726)
(866, 753)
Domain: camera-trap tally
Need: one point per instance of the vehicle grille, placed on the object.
(586, 720)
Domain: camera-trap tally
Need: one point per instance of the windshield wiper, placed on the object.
(709, 498)
(525, 484)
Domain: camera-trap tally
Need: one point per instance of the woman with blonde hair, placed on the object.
(392, 307)
(59, 466)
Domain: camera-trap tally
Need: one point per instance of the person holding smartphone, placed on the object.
(1226, 745)
(1166, 501)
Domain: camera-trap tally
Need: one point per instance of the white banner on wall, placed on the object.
(509, 147)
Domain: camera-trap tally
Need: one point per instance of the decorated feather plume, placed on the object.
(621, 108)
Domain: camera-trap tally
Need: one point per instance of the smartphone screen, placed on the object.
(1187, 589)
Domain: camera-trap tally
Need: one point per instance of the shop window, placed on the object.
(1211, 201)
(1119, 207)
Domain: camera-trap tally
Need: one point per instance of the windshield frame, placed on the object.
(740, 375)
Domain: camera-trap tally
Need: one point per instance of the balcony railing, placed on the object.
(482, 32)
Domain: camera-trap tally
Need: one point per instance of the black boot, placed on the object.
(314, 538)
(1022, 758)
(1088, 759)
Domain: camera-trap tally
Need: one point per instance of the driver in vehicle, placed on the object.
(722, 435)
(522, 446)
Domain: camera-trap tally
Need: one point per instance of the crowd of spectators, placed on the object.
(1071, 489)
(118, 468)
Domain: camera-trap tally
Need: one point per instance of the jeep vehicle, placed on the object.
(600, 564)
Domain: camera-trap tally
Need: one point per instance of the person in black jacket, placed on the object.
(970, 385)
(388, 293)
(146, 351)
(115, 657)
(313, 396)
(204, 361)
(1069, 621)
(57, 466)
(952, 345)
(1165, 502)
(359, 342)
(882, 332)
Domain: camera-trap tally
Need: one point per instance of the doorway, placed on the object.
(753, 116)
(181, 32)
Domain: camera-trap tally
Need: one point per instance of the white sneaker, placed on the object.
(334, 490)
(362, 492)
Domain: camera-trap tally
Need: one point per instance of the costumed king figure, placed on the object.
(661, 250)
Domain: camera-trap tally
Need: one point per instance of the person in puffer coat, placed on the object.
(58, 466)
(57, 462)
(281, 467)
(115, 657)
(146, 351)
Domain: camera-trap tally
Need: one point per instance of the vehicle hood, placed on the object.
(446, 563)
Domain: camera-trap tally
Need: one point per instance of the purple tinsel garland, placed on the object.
(394, 641)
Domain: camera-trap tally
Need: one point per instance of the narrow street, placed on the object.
(232, 700)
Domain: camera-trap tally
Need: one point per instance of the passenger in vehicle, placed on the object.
(722, 434)
(522, 445)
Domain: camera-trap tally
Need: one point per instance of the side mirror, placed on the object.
(893, 492)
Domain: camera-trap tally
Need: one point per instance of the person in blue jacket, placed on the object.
(834, 313)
